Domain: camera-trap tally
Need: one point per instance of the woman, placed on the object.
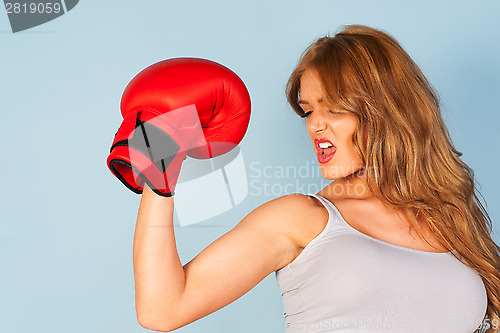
(398, 241)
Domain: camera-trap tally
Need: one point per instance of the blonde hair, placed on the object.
(410, 160)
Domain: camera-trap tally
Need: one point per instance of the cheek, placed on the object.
(346, 136)
(345, 130)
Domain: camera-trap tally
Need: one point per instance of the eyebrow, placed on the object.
(305, 102)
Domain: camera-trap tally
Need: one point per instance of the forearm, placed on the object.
(158, 272)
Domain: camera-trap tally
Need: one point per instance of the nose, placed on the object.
(315, 122)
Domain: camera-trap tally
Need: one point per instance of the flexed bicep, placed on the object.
(238, 260)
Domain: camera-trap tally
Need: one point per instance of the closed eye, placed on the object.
(330, 111)
(306, 114)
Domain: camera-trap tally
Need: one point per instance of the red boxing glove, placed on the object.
(174, 108)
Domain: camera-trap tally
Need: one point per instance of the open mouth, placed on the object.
(324, 150)
(327, 151)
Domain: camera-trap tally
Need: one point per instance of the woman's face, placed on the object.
(331, 132)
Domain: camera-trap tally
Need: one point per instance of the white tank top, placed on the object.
(347, 281)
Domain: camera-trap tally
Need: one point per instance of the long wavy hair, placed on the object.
(410, 160)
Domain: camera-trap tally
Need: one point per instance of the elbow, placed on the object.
(154, 324)
(156, 317)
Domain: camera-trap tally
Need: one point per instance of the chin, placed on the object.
(330, 175)
(335, 172)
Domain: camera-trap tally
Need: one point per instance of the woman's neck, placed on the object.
(353, 186)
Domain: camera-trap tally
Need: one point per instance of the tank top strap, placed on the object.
(335, 220)
(332, 211)
(332, 214)
(319, 239)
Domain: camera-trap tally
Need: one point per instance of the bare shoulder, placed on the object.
(297, 216)
(284, 226)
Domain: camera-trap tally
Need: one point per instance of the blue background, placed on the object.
(67, 224)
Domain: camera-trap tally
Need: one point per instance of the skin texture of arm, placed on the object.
(169, 295)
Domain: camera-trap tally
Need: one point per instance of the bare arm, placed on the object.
(158, 273)
(169, 295)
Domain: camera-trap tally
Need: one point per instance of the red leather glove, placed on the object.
(174, 108)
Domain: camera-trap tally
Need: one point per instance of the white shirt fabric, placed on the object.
(347, 281)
